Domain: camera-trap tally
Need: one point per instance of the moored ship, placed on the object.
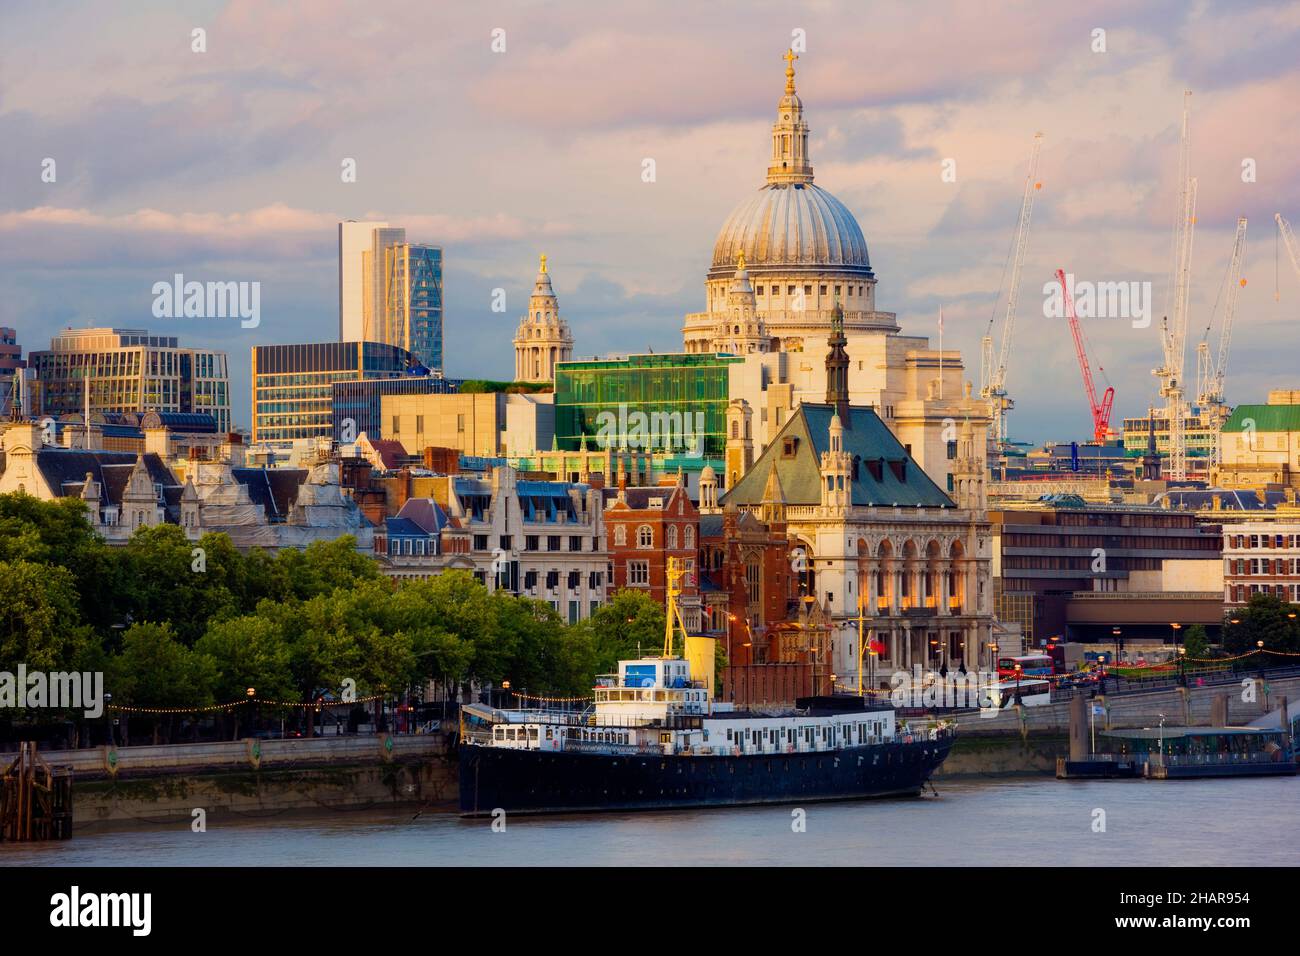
(654, 738)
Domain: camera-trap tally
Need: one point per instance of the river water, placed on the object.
(1006, 821)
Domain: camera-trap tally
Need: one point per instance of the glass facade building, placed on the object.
(652, 403)
(293, 385)
(400, 292)
(129, 370)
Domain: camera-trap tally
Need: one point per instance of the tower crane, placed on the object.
(1173, 329)
(993, 377)
(1210, 375)
(1288, 237)
(1100, 410)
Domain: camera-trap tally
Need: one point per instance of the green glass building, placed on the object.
(674, 403)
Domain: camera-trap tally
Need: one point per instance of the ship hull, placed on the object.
(534, 781)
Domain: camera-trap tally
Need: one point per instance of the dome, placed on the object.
(792, 224)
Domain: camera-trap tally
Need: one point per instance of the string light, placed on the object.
(210, 708)
(552, 700)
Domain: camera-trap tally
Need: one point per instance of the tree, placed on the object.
(167, 582)
(1196, 642)
(40, 622)
(630, 625)
(156, 670)
(1266, 618)
(325, 566)
(247, 651)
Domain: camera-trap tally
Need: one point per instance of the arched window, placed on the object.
(672, 537)
(690, 537)
(735, 429)
(645, 537)
(620, 534)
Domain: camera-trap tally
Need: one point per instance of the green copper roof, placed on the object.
(1267, 418)
(869, 439)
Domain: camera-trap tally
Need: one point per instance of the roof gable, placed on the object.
(868, 440)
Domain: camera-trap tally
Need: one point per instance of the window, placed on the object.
(645, 537)
(672, 537)
(575, 579)
(480, 542)
(530, 542)
(575, 543)
(638, 574)
(419, 424)
(620, 534)
(460, 423)
(689, 537)
(505, 542)
(553, 542)
(952, 450)
(397, 425)
(552, 579)
(821, 290)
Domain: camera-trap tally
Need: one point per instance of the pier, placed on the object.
(35, 798)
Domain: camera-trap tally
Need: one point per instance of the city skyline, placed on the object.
(225, 165)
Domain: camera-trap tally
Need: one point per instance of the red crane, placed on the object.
(1100, 412)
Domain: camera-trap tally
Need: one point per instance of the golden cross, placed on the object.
(740, 262)
(790, 57)
(543, 262)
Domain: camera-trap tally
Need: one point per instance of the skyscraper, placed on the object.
(355, 238)
(390, 290)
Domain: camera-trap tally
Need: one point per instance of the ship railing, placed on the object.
(603, 747)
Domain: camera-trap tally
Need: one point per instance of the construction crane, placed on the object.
(1288, 238)
(1173, 329)
(1100, 410)
(993, 377)
(1210, 375)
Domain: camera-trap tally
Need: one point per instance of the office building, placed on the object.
(292, 385)
(390, 290)
(129, 370)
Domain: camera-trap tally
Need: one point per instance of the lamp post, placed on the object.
(1018, 670)
(505, 689)
(1115, 632)
(993, 658)
(1176, 628)
(249, 694)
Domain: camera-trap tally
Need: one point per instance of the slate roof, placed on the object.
(403, 528)
(425, 514)
(65, 469)
(275, 489)
(869, 440)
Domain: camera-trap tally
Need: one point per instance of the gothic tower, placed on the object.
(837, 368)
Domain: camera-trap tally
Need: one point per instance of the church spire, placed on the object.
(790, 163)
(837, 367)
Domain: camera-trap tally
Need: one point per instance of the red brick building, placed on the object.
(644, 527)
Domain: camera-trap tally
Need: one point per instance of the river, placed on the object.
(1020, 821)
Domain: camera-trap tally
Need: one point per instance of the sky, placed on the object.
(225, 165)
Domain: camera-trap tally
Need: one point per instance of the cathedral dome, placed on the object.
(792, 224)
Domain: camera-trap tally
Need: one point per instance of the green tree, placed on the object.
(1266, 618)
(1196, 642)
(154, 669)
(630, 625)
(247, 651)
(40, 623)
(325, 566)
(168, 582)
